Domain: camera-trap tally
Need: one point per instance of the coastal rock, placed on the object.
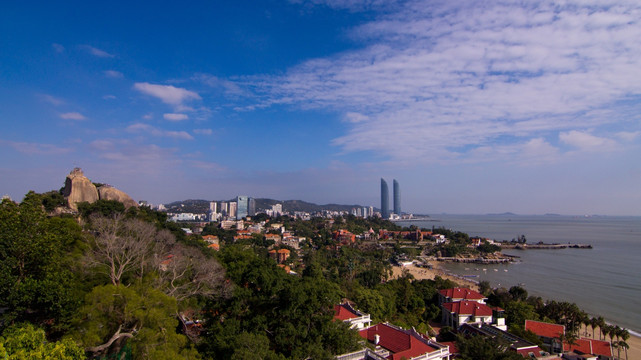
(107, 192)
(78, 188)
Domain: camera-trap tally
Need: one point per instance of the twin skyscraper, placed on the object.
(385, 213)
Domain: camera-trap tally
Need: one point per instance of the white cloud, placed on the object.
(203, 131)
(58, 48)
(175, 117)
(206, 165)
(146, 128)
(445, 78)
(114, 74)
(35, 148)
(167, 93)
(72, 116)
(586, 141)
(355, 117)
(97, 52)
(628, 136)
(55, 101)
(148, 116)
(109, 97)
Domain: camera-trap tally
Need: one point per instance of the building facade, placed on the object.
(397, 197)
(384, 199)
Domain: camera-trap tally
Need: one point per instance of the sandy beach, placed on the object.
(419, 273)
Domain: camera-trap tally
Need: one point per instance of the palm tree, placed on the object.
(615, 345)
(623, 344)
(594, 323)
(625, 335)
(601, 324)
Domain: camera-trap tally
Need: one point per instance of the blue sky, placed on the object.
(473, 106)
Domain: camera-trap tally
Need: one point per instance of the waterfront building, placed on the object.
(458, 313)
(394, 342)
(397, 197)
(384, 199)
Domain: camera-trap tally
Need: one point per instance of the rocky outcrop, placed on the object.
(107, 192)
(78, 189)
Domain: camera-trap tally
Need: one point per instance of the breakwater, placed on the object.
(477, 260)
(544, 246)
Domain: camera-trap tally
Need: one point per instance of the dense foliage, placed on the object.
(92, 284)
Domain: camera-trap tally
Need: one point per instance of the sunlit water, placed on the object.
(604, 281)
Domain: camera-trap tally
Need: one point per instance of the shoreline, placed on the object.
(420, 273)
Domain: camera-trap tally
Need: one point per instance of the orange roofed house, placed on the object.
(395, 343)
(458, 313)
(357, 319)
(550, 334)
(588, 349)
(459, 294)
(280, 255)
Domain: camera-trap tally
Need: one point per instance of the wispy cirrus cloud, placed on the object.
(175, 117)
(97, 52)
(168, 94)
(72, 116)
(146, 128)
(114, 74)
(53, 100)
(586, 141)
(31, 148)
(453, 79)
(203, 131)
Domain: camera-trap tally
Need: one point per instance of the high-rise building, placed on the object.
(384, 199)
(232, 209)
(397, 198)
(242, 209)
(251, 207)
(213, 207)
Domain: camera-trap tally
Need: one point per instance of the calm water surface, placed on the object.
(605, 280)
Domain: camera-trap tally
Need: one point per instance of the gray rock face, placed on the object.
(78, 189)
(107, 192)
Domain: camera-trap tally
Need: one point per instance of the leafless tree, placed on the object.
(188, 272)
(122, 245)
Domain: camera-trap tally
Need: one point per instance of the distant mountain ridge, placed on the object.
(201, 206)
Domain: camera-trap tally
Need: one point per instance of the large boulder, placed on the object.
(78, 189)
(107, 192)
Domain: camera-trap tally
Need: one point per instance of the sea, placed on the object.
(603, 281)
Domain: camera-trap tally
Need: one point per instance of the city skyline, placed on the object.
(474, 107)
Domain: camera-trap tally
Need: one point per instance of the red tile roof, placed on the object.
(451, 345)
(601, 348)
(462, 293)
(341, 312)
(468, 308)
(552, 331)
(526, 351)
(589, 346)
(401, 343)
